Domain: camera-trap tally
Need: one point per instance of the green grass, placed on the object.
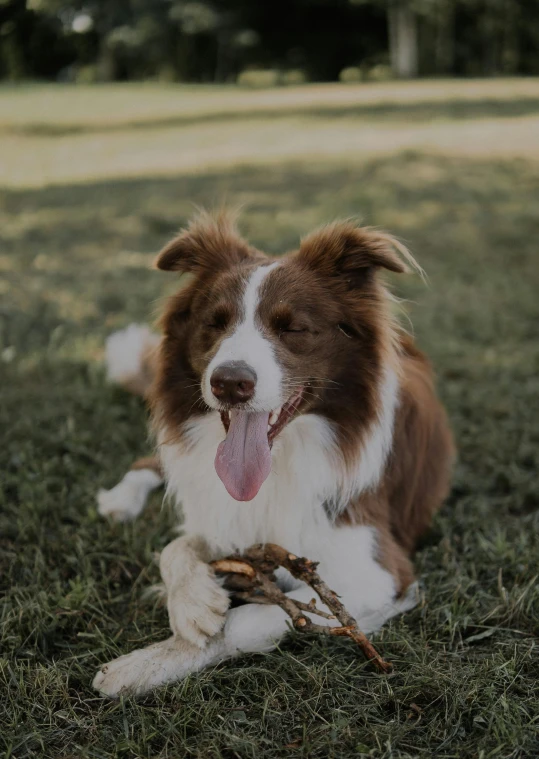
(73, 267)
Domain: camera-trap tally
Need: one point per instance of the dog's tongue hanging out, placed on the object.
(243, 459)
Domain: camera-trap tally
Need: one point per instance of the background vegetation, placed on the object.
(290, 40)
(94, 181)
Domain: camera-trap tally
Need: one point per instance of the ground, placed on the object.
(94, 181)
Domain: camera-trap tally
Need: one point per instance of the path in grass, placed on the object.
(64, 135)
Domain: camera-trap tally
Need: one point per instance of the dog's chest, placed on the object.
(289, 507)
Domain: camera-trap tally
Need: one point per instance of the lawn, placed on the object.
(93, 182)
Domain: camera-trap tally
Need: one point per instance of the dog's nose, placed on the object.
(233, 382)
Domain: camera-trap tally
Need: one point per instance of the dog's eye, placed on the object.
(292, 329)
(346, 330)
(219, 321)
(286, 323)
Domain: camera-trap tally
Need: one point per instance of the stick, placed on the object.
(255, 568)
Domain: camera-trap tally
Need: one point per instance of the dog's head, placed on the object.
(263, 340)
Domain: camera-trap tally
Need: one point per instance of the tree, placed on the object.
(215, 40)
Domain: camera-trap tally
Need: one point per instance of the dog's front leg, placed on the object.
(196, 602)
(146, 668)
(248, 629)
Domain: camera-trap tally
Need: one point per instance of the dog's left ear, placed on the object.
(344, 251)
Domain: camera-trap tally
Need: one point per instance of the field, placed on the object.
(93, 182)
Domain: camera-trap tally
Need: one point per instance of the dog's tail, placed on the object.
(130, 356)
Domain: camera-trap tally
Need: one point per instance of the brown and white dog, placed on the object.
(288, 407)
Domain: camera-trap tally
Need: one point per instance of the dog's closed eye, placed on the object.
(219, 320)
(294, 330)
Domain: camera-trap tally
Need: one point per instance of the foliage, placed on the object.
(214, 40)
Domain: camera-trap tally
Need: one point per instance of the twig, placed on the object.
(312, 609)
(253, 571)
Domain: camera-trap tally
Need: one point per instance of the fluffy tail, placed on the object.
(130, 356)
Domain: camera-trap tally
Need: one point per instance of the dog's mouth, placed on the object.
(277, 419)
(243, 459)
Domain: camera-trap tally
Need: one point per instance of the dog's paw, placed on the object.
(127, 499)
(197, 612)
(147, 668)
(371, 621)
(409, 600)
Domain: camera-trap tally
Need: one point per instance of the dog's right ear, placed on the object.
(210, 242)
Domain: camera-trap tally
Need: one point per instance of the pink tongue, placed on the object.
(243, 459)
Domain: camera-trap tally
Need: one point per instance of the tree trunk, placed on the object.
(106, 63)
(402, 39)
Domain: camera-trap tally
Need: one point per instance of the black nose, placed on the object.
(233, 382)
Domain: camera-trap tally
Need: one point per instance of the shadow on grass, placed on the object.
(78, 257)
(454, 109)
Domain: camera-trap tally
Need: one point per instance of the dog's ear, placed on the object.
(210, 243)
(347, 252)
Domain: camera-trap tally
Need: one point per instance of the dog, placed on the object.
(288, 406)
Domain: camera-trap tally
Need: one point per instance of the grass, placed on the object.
(75, 244)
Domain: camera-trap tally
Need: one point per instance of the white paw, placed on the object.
(147, 668)
(197, 611)
(372, 621)
(409, 600)
(128, 498)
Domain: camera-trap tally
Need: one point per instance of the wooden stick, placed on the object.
(256, 567)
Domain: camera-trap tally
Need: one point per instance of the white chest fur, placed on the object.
(307, 472)
(289, 507)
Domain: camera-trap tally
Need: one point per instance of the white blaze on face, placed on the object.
(243, 458)
(249, 344)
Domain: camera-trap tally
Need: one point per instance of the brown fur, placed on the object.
(209, 244)
(417, 475)
(418, 471)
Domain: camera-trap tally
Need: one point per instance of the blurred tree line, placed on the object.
(217, 40)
